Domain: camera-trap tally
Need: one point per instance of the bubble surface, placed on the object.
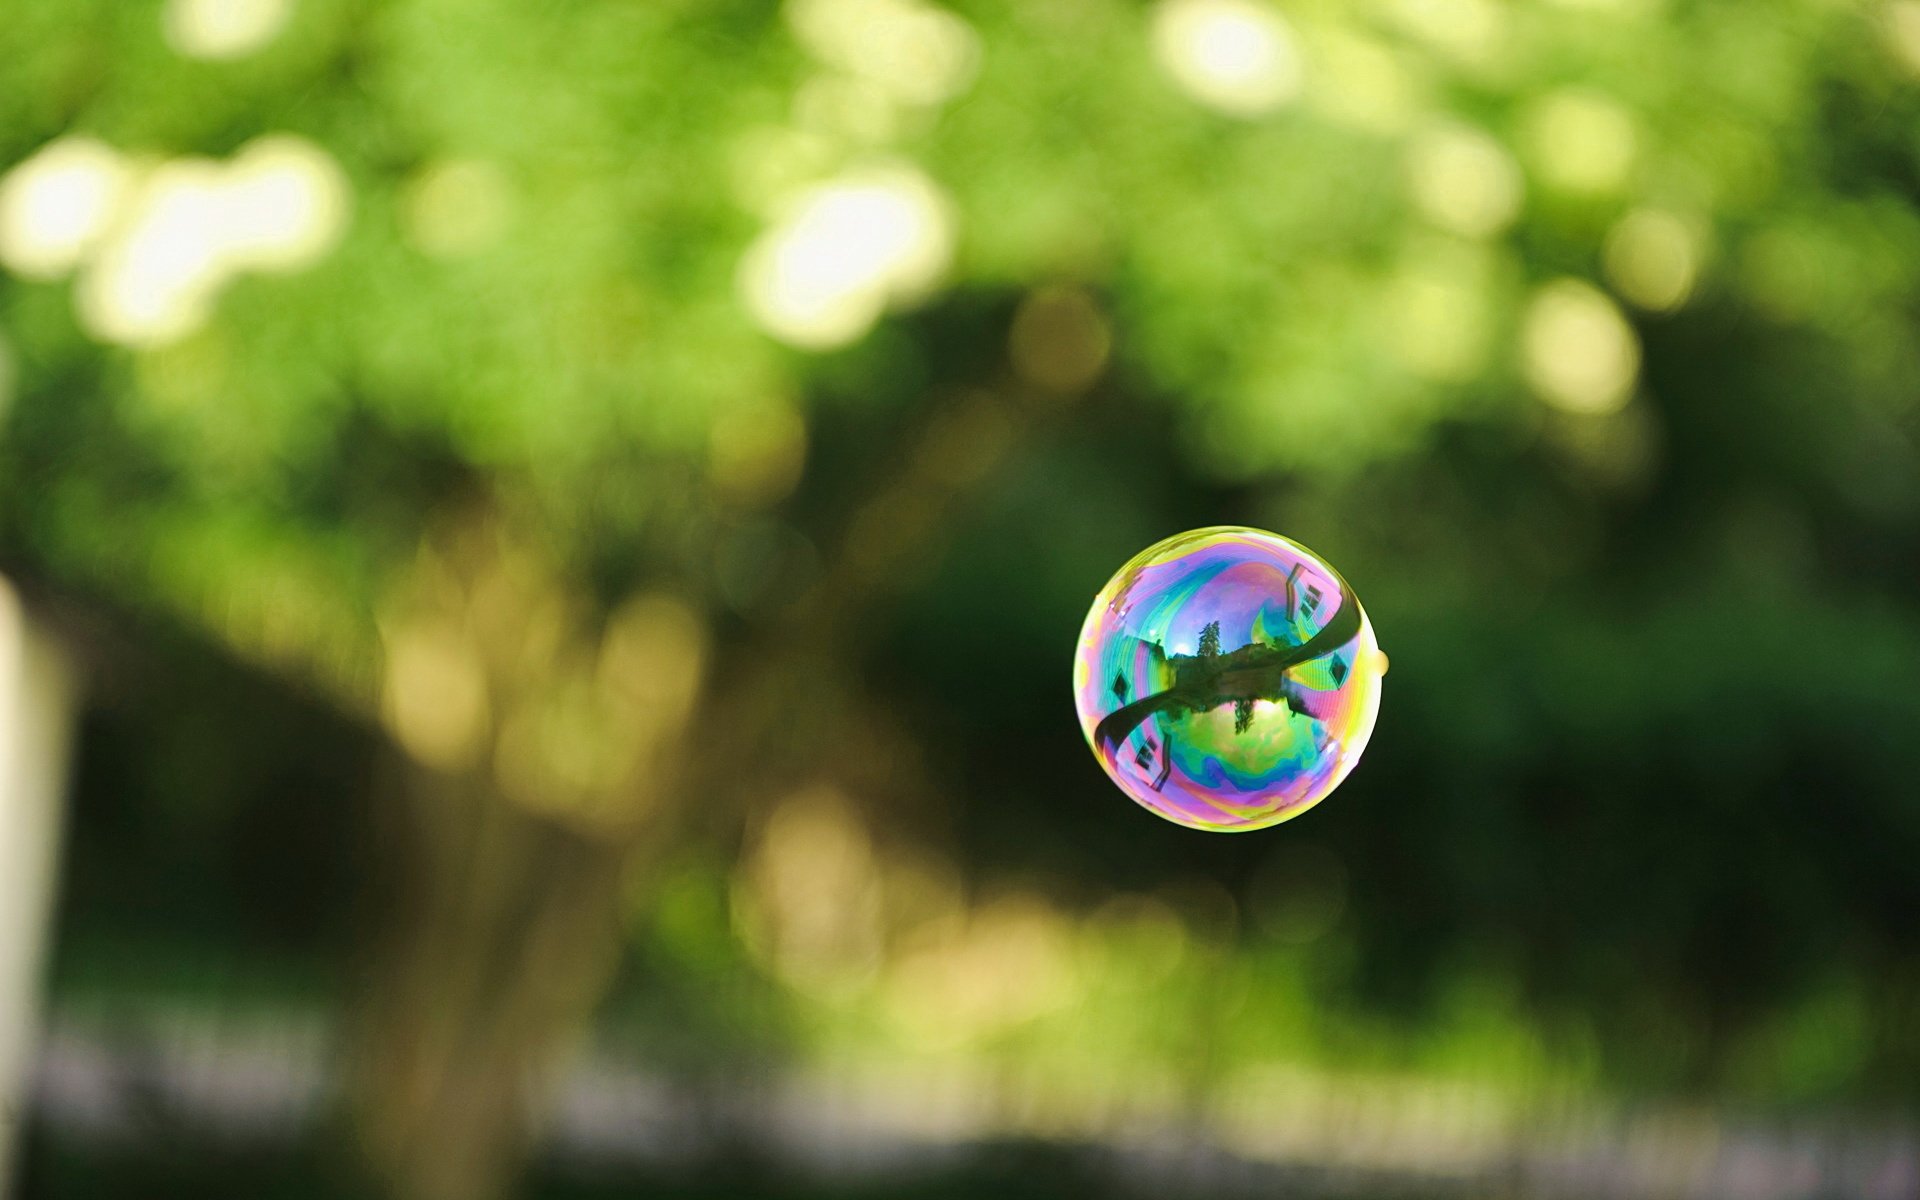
(1227, 678)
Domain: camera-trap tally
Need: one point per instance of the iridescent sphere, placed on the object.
(1227, 678)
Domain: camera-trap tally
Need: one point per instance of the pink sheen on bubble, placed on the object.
(1227, 678)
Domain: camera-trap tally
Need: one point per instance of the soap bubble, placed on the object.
(1227, 678)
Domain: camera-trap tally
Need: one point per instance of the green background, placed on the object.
(772, 641)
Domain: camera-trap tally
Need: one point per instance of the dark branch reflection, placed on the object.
(1207, 679)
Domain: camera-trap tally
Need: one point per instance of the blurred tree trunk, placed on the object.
(36, 714)
(497, 943)
(546, 747)
(539, 733)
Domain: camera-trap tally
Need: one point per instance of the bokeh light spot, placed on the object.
(279, 205)
(285, 203)
(809, 897)
(1652, 258)
(846, 109)
(1008, 961)
(1470, 31)
(1059, 341)
(844, 251)
(1581, 141)
(653, 658)
(220, 29)
(435, 698)
(1463, 181)
(1360, 82)
(1437, 318)
(1236, 56)
(1902, 25)
(155, 280)
(456, 207)
(1578, 351)
(917, 52)
(55, 206)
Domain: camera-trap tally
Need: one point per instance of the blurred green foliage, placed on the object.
(1582, 336)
